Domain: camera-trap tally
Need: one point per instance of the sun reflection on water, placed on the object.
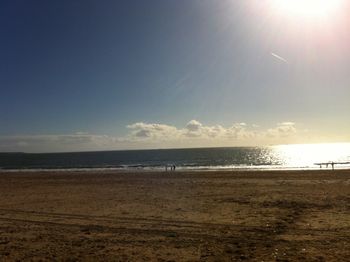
(306, 155)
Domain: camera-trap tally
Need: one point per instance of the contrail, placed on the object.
(279, 58)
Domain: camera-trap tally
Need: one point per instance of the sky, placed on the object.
(80, 75)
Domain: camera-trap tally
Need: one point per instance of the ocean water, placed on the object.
(251, 158)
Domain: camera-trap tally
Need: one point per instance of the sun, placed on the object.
(307, 8)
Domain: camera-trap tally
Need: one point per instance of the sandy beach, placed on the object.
(175, 216)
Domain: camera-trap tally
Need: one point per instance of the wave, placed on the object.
(159, 168)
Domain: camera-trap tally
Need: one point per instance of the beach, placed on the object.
(175, 216)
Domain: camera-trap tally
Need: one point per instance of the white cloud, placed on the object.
(194, 126)
(195, 130)
(284, 129)
(141, 131)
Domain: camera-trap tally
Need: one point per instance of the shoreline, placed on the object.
(178, 169)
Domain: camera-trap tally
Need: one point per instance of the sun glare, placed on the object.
(306, 155)
(309, 9)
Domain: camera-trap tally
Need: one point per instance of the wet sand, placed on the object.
(198, 216)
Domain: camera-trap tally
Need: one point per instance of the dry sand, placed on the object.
(198, 216)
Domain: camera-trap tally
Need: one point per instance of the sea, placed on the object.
(281, 157)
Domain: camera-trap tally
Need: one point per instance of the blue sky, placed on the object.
(110, 69)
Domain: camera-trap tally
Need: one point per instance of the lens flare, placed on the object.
(307, 8)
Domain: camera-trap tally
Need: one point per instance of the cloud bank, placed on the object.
(192, 131)
(154, 135)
